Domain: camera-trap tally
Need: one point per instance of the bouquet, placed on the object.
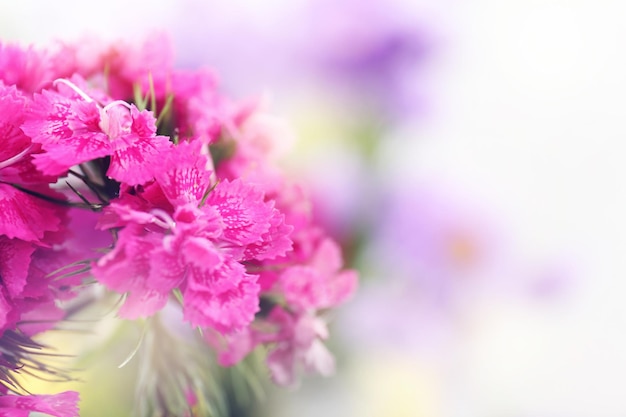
(124, 178)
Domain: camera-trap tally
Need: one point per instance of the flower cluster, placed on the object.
(118, 170)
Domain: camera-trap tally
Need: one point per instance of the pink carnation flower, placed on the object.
(320, 283)
(200, 220)
(74, 130)
(148, 264)
(295, 341)
(299, 343)
(177, 244)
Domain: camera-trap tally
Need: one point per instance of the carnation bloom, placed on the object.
(196, 218)
(295, 341)
(310, 280)
(197, 239)
(73, 130)
(320, 283)
(299, 341)
(150, 264)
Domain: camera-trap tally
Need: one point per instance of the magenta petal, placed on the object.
(127, 268)
(48, 118)
(137, 154)
(127, 264)
(25, 217)
(232, 348)
(274, 243)
(341, 288)
(201, 253)
(40, 317)
(12, 104)
(14, 262)
(166, 271)
(14, 142)
(26, 68)
(183, 175)
(64, 404)
(68, 131)
(6, 314)
(60, 157)
(308, 289)
(224, 299)
(205, 222)
(298, 343)
(327, 258)
(245, 214)
(319, 284)
(138, 163)
(281, 362)
(303, 287)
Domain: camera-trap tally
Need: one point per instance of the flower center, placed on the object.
(112, 122)
(162, 219)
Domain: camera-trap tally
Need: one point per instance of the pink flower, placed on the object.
(201, 221)
(22, 216)
(14, 263)
(233, 347)
(64, 404)
(126, 269)
(27, 288)
(198, 108)
(184, 177)
(311, 276)
(176, 244)
(298, 343)
(148, 264)
(28, 69)
(75, 130)
(320, 283)
(26, 217)
(223, 297)
(126, 63)
(295, 341)
(258, 139)
(252, 224)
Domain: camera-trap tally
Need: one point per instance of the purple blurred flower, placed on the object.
(435, 257)
(367, 52)
(437, 240)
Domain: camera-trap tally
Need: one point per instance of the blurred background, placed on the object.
(469, 157)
